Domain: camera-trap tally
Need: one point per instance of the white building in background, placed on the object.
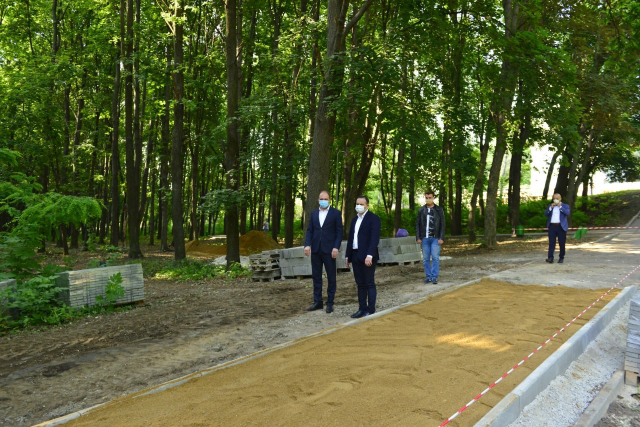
(540, 158)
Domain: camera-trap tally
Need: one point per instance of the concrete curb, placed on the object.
(599, 406)
(510, 407)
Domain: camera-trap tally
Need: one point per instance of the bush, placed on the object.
(190, 269)
(35, 301)
(408, 221)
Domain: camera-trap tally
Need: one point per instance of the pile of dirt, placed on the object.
(253, 242)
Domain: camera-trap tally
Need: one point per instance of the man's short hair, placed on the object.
(363, 197)
(323, 191)
(429, 192)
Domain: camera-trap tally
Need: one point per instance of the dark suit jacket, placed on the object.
(368, 237)
(329, 236)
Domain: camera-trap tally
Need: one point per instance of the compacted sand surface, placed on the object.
(414, 366)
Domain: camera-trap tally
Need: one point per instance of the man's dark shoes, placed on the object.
(358, 314)
(549, 260)
(434, 281)
(315, 306)
(329, 308)
(427, 280)
(561, 260)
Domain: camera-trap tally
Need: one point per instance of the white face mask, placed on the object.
(359, 209)
(556, 201)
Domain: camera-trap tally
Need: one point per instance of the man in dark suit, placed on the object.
(362, 250)
(322, 242)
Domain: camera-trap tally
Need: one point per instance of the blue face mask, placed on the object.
(324, 204)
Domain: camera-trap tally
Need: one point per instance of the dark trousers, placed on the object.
(365, 279)
(319, 259)
(556, 231)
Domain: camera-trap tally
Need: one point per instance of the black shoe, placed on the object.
(329, 308)
(561, 260)
(434, 281)
(549, 260)
(427, 280)
(358, 314)
(315, 306)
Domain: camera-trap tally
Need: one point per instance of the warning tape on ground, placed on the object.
(485, 391)
(583, 228)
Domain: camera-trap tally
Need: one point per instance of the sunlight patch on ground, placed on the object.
(472, 341)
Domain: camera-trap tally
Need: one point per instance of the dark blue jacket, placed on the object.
(368, 237)
(565, 211)
(329, 236)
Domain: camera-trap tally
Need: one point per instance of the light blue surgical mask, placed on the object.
(324, 204)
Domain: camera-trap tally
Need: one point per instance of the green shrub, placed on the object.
(112, 291)
(408, 221)
(190, 269)
(34, 301)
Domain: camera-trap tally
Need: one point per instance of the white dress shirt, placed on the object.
(356, 230)
(555, 216)
(323, 215)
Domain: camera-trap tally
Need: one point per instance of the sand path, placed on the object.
(415, 366)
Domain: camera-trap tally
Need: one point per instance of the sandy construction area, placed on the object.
(415, 366)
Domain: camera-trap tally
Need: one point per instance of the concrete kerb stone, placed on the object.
(599, 406)
(510, 407)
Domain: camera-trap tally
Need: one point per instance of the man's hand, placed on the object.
(368, 261)
(334, 253)
(346, 262)
(440, 241)
(419, 241)
(307, 250)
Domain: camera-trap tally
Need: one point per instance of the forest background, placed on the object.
(174, 119)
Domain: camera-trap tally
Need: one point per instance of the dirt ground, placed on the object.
(193, 325)
(413, 366)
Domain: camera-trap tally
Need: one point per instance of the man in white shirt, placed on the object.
(557, 223)
(362, 252)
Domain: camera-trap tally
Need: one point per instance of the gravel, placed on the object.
(564, 400)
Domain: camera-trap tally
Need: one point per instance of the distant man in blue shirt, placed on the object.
(557, 223)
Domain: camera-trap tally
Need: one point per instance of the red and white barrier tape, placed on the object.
(485, 391)
(583, 228)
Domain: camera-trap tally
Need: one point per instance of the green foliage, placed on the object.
(112, 291)
(190, 269)
(35, 301)
(386, 221)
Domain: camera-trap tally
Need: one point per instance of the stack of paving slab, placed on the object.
(265, 266)
(399, 250)
(293, 263)
(80, 288)
(632, 353)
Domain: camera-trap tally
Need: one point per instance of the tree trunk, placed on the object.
(320, 158)
(177, 138)
(233, 146)
(547, 181)
(501, 110)
(165, 153)
(131, 142)
(115, 139)
(478, 187)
